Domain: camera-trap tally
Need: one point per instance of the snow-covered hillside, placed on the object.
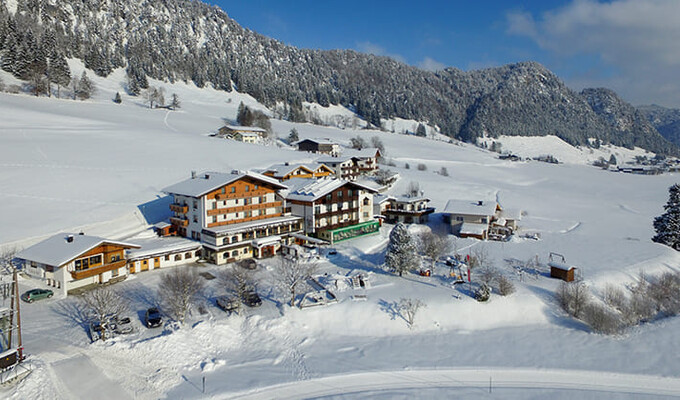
(99, 167)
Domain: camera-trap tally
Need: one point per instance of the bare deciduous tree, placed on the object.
(434, 245)
(179, 290)
(237, 280)
(291, 273)
(409, 308)
(601, 319)
(413, 189)
(104, 304)
(573, 297)
(505, 286)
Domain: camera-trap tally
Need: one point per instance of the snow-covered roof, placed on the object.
(249, 134)
(58, 250)
(244, 128)
(208, 181)
(331, 159)
(381, 198)
(470, 207)
(157, 246)
(227, 229)
(161, 225)
(512, 214)
(469, 228)
(410, 199)
(561, 266)
(281, 170)
(313, 189)
(318, 141)
(366, 152)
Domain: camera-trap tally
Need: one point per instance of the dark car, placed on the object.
(36, 294)
(153, 318)
(251, 299)
(228, 304)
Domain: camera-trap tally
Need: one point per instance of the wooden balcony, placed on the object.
(240, 220)
(239, 195)
(249, 207)
(179, 208)
(179, 222)
(86, 273)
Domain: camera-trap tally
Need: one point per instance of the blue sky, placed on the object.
(631, 46)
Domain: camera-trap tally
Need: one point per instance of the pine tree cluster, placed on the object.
(667, 225)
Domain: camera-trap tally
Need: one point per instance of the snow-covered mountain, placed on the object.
(183, 40)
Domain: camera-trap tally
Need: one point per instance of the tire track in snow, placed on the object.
(508, 378)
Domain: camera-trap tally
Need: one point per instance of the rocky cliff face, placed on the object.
(192, 41)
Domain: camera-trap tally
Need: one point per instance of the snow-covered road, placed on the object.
(485, 380)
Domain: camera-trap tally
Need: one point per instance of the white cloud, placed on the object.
(372, 48)
(431, 64)
(637, 39)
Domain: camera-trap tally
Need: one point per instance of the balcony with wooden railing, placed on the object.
(86, 273)
(179, 208)
(179, 222)
(249, 207)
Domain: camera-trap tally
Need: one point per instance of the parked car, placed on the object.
(228, 304)
(251, 299)
(122, 325)
(248, 263)
(36, 294)
(99, 331)
(332, 252)
(153, 318)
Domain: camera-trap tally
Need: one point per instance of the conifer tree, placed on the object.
(667, 225)
(401, 252)
(117, 99)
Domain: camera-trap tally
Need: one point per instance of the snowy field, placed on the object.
(98, 167)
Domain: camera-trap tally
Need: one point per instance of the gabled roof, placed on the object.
(410, 199)
(471, 207)
(208, 181)
(58, 250)
(366, 152)
(281, 170)
(317, 141)
(313, 189)
(381, 198)
(244, 128)
(328, 160)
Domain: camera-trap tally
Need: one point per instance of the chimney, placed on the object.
(69, 239)
(286, 163)
(480, 203)
(207, 176)
(193, 174)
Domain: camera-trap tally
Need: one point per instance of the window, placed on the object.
(236, 215)
(195, 218)
(214, 205)
(329, 197)
(247, 188)
(233, 189)
(167, 257)
(145, 262)
(198, 253)
(365, 214)
(234, 239)
(226, 254)
(484, 221)
(114, 273)
(214, 219)
(224, 190)
(247, 201)
(247, 214)
(95, 260)
(255, 188)
(115, 257)
(178, 257)
(187, 255)
(459, 219)
(317, 210)
(195, 204)
(349, 192)
(263, 199)
(340, 194)
(234, 253)
(366, 201)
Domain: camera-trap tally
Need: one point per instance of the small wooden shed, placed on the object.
(562, 271)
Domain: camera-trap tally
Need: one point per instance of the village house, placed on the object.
(155, 253)
(250, 134)
(407, 209)
(68, 261)
(235, 216)
(324, 146)
(481, 219)
(283, 172)
(332, 209)
(353, 164)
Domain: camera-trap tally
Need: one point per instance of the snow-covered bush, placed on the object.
(601, 319)
(483, 292)
(573, 297)
(505, 286)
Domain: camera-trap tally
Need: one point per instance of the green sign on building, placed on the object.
(349, 232)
